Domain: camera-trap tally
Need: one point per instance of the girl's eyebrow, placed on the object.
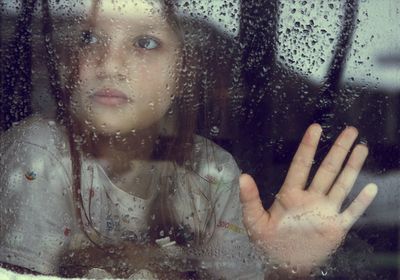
(148, 26)
(144, 24)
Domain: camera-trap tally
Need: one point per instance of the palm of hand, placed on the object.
(297, 221)
(304, 226)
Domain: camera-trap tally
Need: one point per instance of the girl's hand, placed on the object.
(305, 225)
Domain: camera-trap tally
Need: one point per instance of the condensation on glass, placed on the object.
(126, 124)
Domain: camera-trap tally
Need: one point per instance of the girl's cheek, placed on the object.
(86, 71)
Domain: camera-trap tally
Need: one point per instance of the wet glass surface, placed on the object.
(129, 83)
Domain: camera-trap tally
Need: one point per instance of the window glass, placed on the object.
(127, 126)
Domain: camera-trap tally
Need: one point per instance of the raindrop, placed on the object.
(214, 130)
(324, 271)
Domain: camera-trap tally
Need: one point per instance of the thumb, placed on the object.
(253, 210)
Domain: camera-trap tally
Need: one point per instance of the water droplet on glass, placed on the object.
(214, 130)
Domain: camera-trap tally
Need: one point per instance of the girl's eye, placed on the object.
(88, 38)
(147, 43)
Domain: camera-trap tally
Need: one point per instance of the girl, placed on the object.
(121, 176)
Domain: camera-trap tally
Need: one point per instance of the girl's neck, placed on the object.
(125, 160)
(117, 152)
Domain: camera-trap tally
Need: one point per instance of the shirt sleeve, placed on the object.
(35, 207)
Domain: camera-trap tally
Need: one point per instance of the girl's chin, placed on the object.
(109, 125)
(117, 129)
(110, 130)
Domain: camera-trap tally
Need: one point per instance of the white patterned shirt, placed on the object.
(37, 221)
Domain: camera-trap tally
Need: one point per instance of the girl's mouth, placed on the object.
(110, 97)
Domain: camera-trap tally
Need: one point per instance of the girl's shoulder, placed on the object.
(213, 162)
(206, 149)
(34, 152)
(36, 131)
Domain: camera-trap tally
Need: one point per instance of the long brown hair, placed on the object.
(177, 148)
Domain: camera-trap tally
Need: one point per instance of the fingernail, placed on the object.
(316, 129)
(352, 130)
(371, 189)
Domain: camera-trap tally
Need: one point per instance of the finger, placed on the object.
(359, 205)
(254, 215)
(303, 159)
(345, 182)
(333, 162)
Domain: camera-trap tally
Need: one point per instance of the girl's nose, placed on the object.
(113, 63)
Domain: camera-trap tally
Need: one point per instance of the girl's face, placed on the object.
(128, 66)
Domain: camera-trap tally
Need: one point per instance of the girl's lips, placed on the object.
(110, 97)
